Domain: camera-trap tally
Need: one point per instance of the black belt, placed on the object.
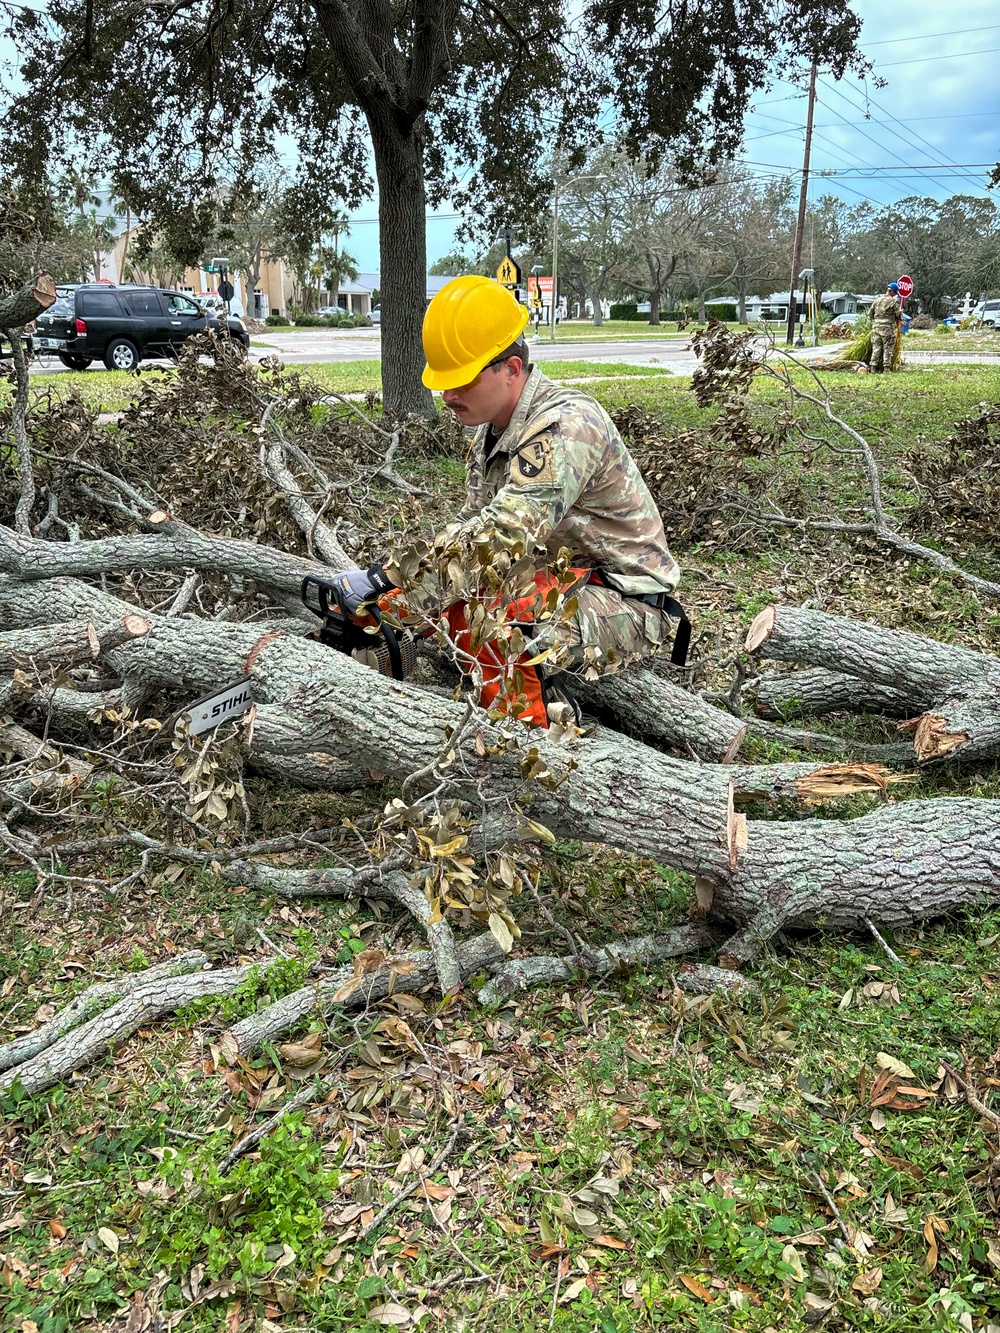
(664, 602)
(661, 601)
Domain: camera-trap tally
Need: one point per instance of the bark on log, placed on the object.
(143, 1004)
(962, 719)
(401, 975)
(814, 693)
(172, 545)
(67, 643)
(26, 304)
(914, 859)
(520, 973)
(350, 883)
(657, 709)
(703, 979)
(92, 1001)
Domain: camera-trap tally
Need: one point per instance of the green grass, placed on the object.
(112, 391)
(657, 1147)
(928, 340)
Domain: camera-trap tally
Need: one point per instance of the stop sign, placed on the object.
(905, 285)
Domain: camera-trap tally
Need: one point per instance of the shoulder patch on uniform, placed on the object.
(534, 461)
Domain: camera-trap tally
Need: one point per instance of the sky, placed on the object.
(940, 107)
(934, 129)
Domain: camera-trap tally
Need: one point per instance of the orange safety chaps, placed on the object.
(513, 688)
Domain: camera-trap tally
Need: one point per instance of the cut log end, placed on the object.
(931, 737)
(733, 748)
(761, 629)
(737, 835)
(44, 290)
(159, 516)
(137, 627)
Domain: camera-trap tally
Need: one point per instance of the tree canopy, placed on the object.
(186, 97)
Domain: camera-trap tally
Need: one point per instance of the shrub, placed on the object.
(276, 320)
(921, 322)
(945, 328)
(306, 320)
(362, 321)
(626, 310)
(726, 314)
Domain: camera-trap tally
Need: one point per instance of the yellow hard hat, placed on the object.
(469, 322)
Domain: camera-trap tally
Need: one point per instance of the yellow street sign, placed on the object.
(508, 274)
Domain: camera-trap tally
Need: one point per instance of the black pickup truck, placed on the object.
(123, 325)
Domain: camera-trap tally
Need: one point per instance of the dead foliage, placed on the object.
(958, 484)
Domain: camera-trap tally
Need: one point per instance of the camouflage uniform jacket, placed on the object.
(561, 476)
(886, 314)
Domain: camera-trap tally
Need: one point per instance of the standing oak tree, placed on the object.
(447, 98)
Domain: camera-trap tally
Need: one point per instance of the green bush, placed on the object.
(362, 321)
(306, 320)
(626, 310)
(725, 313)
(276, 320)
(945, 328)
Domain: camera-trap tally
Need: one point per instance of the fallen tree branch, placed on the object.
(141, 1004)
(960, 721)
(403, 974)
(977, 1104)
(656, 709)
(92, 1001)
(379, 881)
(412, 1188)
(521, 973)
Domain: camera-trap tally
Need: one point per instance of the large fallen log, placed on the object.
(602, 787)
(959, 689)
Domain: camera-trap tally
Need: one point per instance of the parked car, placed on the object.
(331, 310)
(123, 325)
(988, 312)
(376, 315)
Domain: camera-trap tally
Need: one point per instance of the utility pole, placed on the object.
(555, 258)
(801, 221)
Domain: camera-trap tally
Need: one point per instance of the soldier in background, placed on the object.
(886, 316)
(548, 472)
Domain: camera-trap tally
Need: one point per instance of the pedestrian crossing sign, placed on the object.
(508, 274)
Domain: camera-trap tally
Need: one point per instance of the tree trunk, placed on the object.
(595, 292)
(656, 286)
(957, 687)
(741, 294)
(399, 167)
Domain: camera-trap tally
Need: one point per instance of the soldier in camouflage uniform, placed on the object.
(548, 472)
(886, 316)
(560, 477)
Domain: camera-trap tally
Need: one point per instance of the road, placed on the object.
(671, 355)
(324, 345)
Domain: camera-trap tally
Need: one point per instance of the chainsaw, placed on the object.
(366, 638)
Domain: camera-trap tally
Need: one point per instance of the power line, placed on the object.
(930, 36)
(907, 138)
(923, 60)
